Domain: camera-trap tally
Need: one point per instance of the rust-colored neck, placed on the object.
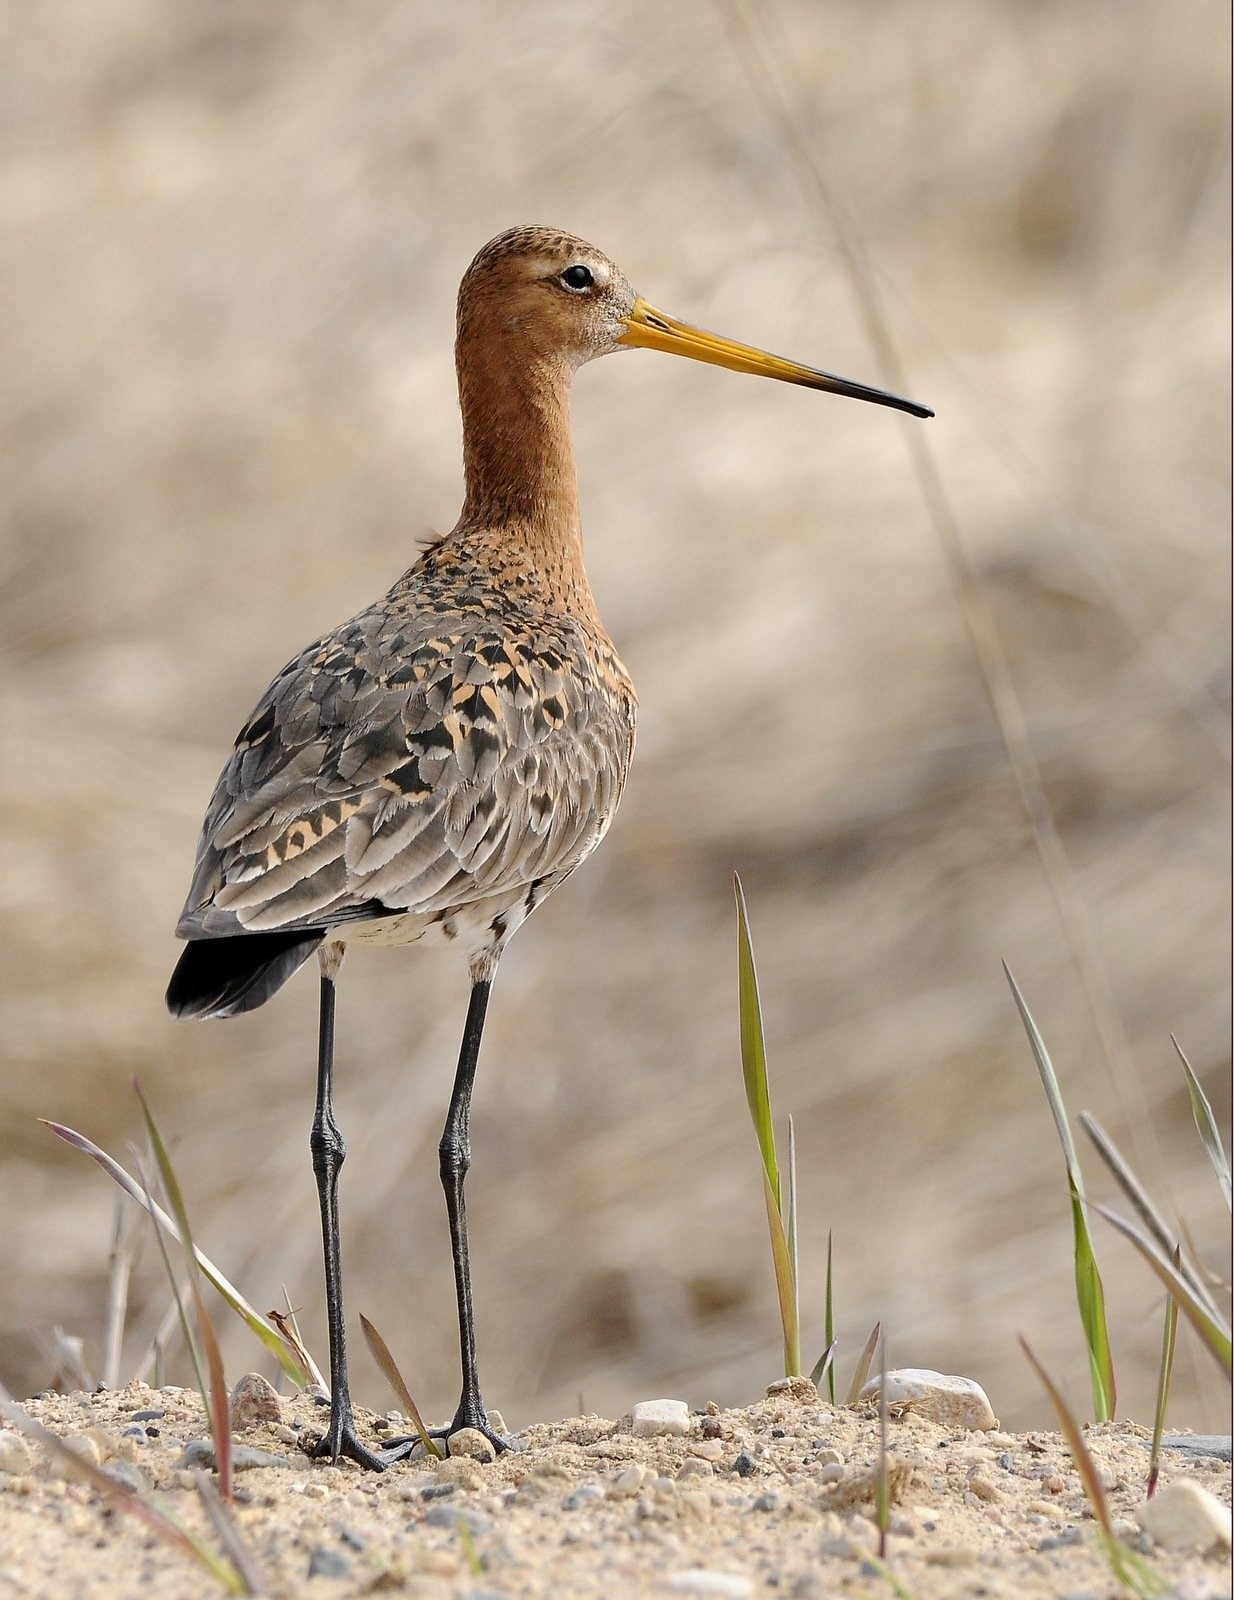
(521, 505)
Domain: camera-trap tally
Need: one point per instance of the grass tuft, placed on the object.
(269, 1336)
(1090, 1296)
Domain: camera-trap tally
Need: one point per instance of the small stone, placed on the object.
(950, 1401)
(1052, 1483)
(254, 1400)
(744, 1465)
(200, 1453)
(471, 1442)
(827, 1457)
(951, 1556)
(327, 1563)
(654, 1417)
(831, 1473)
(1213, 1446)
(497, 1422)
(695, 1467)
(81, 1446)
(628, 1481)
(981, 1486)
(800, 1389)
(708, 1449)
(315, 1491)
(155, 1415)
(699, 1580)
(14, 1453)
(1185, 1516)
(766, 1502)
(1060, 1541)
(584, 1495)
(458, 1516)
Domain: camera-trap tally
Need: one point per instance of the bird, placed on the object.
(437, 765)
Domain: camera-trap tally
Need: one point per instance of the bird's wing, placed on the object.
(411, 762)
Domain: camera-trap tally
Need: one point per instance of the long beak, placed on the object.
(649, 329)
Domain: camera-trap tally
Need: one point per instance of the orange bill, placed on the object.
(649, 329)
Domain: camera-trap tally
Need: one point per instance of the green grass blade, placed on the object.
(1206, 1124)
(215, 1397)
(1141, 1202)
(790, 1231)
(829, 1327)
(1130, 1569)
(1090, 1295)
(1213, 1330)
(253, 1319)
(1164, 1374)
(380, 1351)
(753, 1047)
(862, 1370)
(786, 1290)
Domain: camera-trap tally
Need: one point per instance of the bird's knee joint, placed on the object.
(454, 1156)
(329, 1150)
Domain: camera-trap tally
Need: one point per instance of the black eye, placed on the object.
(577, 277)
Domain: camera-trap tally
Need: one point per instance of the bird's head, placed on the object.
(562, 299)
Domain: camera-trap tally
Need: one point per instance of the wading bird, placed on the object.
(441, 762)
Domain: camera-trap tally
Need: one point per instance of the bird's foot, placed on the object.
(471, 1414)
(341, 1439)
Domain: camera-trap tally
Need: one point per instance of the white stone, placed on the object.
(1185, 1516)
(950, 1401)
(14, 1453)
(652, 1417)
(697, 1580)
(80, 1445)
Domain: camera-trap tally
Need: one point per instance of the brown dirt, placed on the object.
(743, 1495)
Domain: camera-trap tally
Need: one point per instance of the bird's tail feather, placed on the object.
(224, 977)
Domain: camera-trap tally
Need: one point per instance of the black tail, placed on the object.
(223, 977)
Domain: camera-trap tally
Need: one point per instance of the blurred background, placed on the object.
(233, 234)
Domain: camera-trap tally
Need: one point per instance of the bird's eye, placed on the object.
(577, 277)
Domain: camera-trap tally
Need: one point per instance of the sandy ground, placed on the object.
(773, 1499)
(233, 236)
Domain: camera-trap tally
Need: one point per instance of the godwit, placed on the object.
(444, 760)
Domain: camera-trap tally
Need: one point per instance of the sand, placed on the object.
(772, 1499)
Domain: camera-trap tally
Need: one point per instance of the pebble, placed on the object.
(254, 1400)
(470, 1442)
(629, 1481)
(651, 1418)
(1185, 1516)
(694, 1467)
(982, 1487)
(1214, 1446)
(831, 1473)
(767, 1502)
(950, 1401)
(582, 1496)
(14, 1453)
(200, 1453)
(699, 1580)
(708, 1449)
(1060, 1541)
(827, 1457)
(454, 1516)
(327, 1563)
(744, 1465)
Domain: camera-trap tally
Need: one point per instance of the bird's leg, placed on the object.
(329, 1153)
(455, 1155)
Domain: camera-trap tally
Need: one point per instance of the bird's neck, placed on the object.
(521, 505)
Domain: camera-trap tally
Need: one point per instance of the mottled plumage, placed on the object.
(446, 758)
